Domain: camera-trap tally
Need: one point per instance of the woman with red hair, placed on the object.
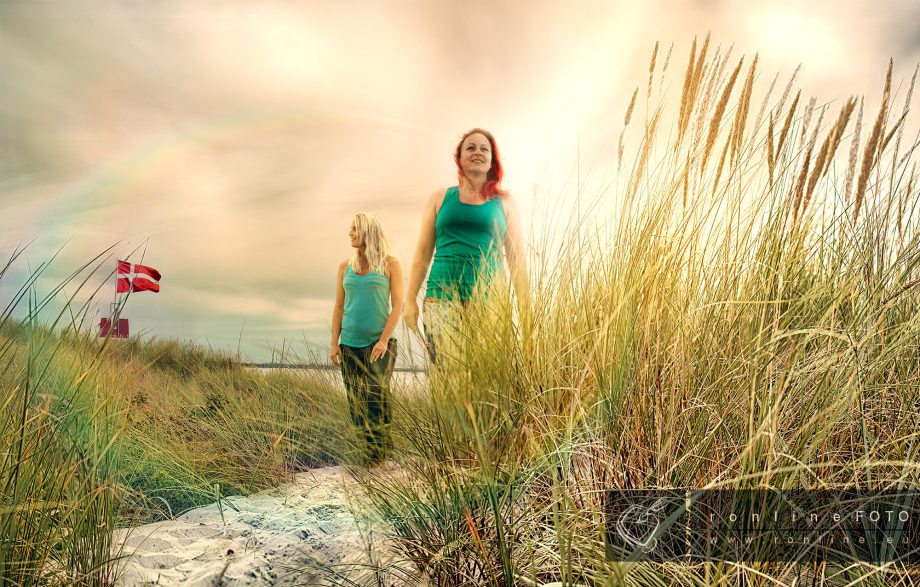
(466, 229)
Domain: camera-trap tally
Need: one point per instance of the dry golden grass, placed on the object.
(886, 98)
(787, 125)
(744, 104)
(685, 93)
(799, 195)
(763, 104)
(799, 189)
(904, 112)
(902, 201)
(651, 72)
(806, 119)
(717, 116)
(854, 152)
(829, 147)
(704, 344)
(771, 161)
(667, 60)
(715, 182)
(626, 119)
(650, 130)
(692, 81)
(712, 77)
(789, 85)
(699, 72)
(629, 110)
(871, 151)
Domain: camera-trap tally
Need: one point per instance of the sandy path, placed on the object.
(282, 536)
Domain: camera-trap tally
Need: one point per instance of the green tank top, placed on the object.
(467, 247)
(367, 307)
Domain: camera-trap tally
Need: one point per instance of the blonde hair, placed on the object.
(376, 246)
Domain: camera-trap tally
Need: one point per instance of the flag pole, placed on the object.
(115, 298)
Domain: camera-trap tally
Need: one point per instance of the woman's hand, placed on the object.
(379, 350)
(422, 259)
(410, 315)
(335, 355)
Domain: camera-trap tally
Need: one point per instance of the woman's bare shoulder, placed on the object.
(509, 202)
(436, 199)
(393, 267)
(437, 196)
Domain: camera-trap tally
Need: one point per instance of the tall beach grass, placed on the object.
(748, 317)
(99, 434)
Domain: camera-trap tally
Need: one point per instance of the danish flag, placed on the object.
(143, 278)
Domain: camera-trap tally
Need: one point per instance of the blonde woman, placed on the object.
(368, 304)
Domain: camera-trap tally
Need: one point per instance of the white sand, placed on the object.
(291, 535)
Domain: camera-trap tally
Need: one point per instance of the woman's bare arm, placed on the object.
(514, 250)
(395, 275)
(421, 261)
(337, 312)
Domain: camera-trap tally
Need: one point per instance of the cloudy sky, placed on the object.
(235, 140)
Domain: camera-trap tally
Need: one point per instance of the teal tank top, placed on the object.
(367, 307)
(467, 247)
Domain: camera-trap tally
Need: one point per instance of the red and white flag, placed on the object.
(142, 278)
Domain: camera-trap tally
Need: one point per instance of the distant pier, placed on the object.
(319, 367)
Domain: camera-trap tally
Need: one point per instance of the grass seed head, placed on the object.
(717, 116)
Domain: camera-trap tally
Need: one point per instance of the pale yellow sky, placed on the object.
(240, 138)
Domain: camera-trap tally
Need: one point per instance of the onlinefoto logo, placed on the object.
(646, 524)
(763, 525)
(641, 527)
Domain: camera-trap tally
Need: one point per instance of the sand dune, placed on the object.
(302, 533)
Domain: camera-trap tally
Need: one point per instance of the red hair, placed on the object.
(493, 185)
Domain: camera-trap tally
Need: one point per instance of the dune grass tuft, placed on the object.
(764, 334)
(102, 433)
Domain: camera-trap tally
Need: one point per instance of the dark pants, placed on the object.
(368, 387)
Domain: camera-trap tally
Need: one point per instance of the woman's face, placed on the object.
(353, 236)
(476, 154)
